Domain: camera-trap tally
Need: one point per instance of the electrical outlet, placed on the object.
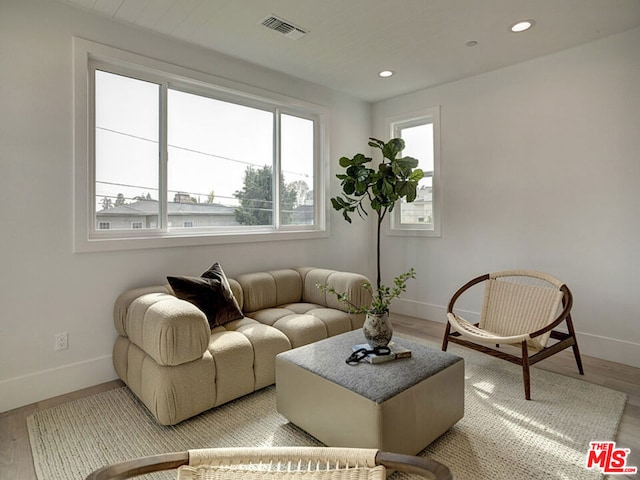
(62, 341)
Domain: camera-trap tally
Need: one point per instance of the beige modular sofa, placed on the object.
(170, 358)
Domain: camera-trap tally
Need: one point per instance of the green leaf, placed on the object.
(416, 175)
(387, 187)
(353, 170)
(411, 196)
(360, 188)
(349, 187)
(363, 175)
(403, 188)
(385, 169)
(367, 175)
(359, 159)
(409, 162)
(337, 203)
(345, 162)
(375, 143)
(402, 167)
(392, 148)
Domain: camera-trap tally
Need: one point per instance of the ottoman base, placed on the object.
(338, 417)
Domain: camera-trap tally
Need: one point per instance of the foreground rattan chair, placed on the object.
(521, 308)
(276, 463)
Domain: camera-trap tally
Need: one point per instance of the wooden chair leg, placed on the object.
(445, 340)
(526, 376)
(576, 350)
(576, 353)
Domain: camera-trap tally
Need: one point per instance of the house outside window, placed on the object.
(421, 133)
(165, 152)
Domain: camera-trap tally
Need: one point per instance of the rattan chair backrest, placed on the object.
(516, 304)
(282, 463)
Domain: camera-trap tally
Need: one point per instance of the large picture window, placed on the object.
(170, 157)
(421, 133)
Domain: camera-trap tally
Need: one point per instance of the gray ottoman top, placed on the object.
(378, 382)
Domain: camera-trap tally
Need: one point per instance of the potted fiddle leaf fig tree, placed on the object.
(379, 189)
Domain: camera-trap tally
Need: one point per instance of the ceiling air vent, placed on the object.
(287, 29)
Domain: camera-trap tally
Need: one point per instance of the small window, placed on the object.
(187, 224)
(420, 132)
(136, 225)
(104, 226)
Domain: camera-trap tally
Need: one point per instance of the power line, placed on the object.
(191, 194)
(175, 192)
(126, 185)
(191, 150)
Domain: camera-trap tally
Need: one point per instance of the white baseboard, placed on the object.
(611, 349)
(34, 387)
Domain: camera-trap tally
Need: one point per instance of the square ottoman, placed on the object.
(399, 406)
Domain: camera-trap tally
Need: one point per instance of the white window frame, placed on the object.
(87, 238)
(394, 124)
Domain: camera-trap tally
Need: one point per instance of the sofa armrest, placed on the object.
(342, 282)
(169, 330)
(122, 303)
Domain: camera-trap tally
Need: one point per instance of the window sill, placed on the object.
(103, 243)
(413, 231)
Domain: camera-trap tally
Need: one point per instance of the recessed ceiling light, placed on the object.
(385, 73)
(522, 26)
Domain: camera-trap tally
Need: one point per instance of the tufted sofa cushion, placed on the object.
(290, 301)
(267, 289)
(169, 330)
(344, 282)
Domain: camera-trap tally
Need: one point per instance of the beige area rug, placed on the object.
(502, 436)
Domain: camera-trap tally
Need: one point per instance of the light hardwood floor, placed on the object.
(16, 462)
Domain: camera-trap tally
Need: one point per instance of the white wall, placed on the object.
(44, 287)
(541, 170)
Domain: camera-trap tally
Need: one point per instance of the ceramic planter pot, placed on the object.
(377, 329)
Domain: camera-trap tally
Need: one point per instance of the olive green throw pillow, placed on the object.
(211, 293)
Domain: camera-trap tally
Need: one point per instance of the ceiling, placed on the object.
(349, 41)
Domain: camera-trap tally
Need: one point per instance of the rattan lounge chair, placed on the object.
(276, 463)
(521, 308)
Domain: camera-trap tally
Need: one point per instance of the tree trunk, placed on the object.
(380, 217)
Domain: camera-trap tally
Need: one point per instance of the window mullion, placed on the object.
(277, 146)
(163, 158)
(92, 149)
